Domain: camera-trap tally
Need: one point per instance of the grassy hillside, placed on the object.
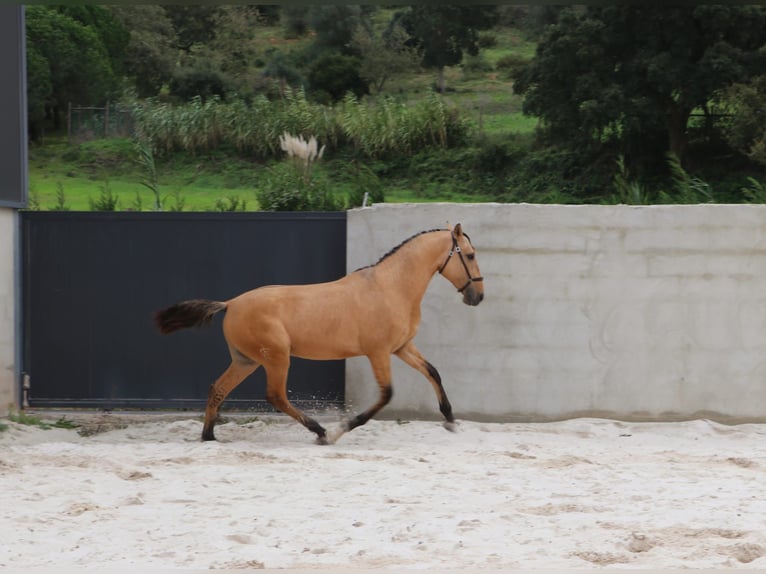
(76, 176)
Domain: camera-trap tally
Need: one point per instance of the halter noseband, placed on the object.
(456, 249)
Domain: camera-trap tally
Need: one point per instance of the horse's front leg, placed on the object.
(381, 368)
(411, 355)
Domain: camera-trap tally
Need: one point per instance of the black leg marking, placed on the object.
(434, 373)
(315, 427)
(444, 405)
(385, 397)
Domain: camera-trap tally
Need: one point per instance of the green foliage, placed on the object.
(178, 201)
(22, 418)
(151, 178)
(280, 67)
(630, 75)
(375, 129)
(286, 189)
(230, 203)
(687, 189)
(151, 54)
(383, 56)
(364, 181)
(106, 200)
(199, 80)
(444, 32)
(69, 59)
(627, 191)
(334, 25)
(61, 204)
(511, 64)
(388, 127)
(335, 75)
(746, 131)
(754, 191)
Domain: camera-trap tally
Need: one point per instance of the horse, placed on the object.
(373, 312)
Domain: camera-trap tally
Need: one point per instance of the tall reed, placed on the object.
(374, 129)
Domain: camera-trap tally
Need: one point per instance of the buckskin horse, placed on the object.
(372, 312)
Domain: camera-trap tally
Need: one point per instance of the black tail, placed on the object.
(193, 313)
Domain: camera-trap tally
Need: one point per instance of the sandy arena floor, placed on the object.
(575, 494)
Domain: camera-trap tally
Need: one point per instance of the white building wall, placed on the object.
(8, 379)
(655, 312)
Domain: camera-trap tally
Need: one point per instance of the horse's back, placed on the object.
(315, 321)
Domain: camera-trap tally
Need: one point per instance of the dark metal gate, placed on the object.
(91, 282)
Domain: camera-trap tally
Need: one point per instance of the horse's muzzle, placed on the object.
(472, 296)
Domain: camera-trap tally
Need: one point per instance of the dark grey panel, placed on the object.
(13, 108)
(93, 280)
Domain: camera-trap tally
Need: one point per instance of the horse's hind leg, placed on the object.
(276, 394)
(410, 355)
(239, 369)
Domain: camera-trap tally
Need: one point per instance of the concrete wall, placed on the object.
(8, 377)
(627, 312)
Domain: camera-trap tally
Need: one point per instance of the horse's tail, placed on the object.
(192, 313)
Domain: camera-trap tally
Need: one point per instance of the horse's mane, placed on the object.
(398, 247)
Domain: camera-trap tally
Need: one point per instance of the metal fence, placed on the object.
(86, 123)
(91, 282)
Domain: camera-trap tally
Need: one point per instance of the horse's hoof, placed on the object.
(322, 440)
(451, 426)
(207, 436)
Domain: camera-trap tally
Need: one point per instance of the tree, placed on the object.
(194, 24)
(335, 75)
(633, 74)
(334, 26)
(68, 63)
(383, 55)
(281, 68)
(233, 49)
(746, 130)
(151, 53)
(444, 32)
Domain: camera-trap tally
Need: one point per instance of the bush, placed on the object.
(287, 190)
(364, 182)
(511, 65)
(200, 80)
(487, 40)
(337, 75)
(106, 200)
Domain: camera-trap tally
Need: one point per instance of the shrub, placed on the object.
(106, 200)
(336, 75)
(364, 182)
(200, 80)
(285, 189)
(510, 65)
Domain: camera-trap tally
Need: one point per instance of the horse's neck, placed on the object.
(409, 271)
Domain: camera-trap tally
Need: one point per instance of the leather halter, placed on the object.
(456, 249)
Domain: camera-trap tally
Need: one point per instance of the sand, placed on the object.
(582, 493)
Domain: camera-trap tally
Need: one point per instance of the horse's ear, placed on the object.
(458, 231)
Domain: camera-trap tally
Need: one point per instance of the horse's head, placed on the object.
(461, 268)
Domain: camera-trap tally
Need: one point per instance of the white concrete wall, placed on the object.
(8, 381)
(626, 312)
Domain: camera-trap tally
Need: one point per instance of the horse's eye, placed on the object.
(471, 256)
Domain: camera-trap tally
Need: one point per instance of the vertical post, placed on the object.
(69, 123)
(106, 120)
(13, 196)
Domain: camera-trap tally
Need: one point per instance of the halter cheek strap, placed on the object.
(456, 249)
